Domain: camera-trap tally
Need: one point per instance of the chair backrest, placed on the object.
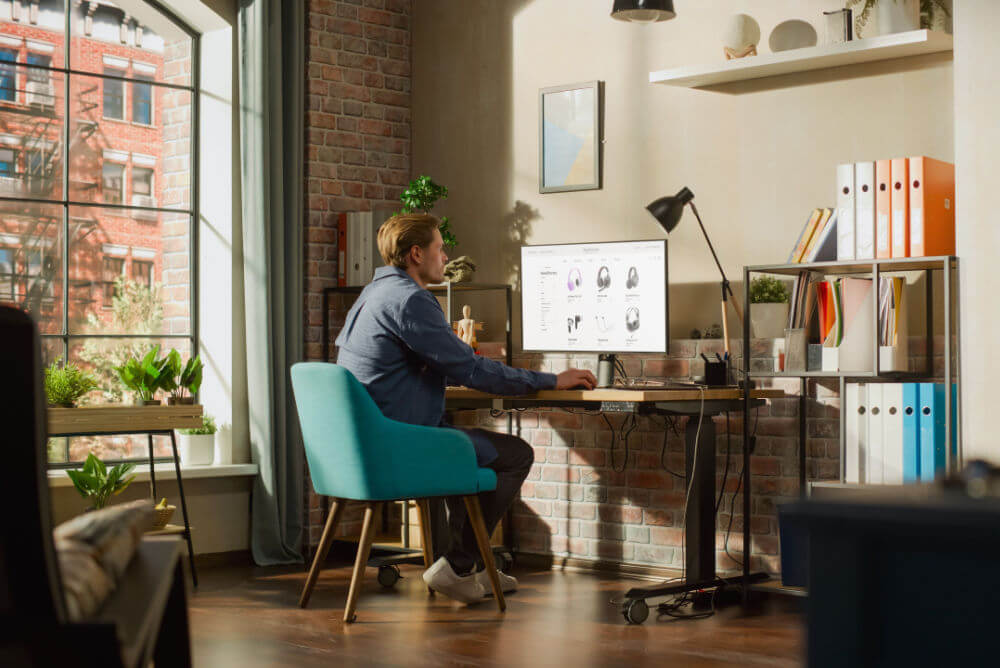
(30, 587)
(340, 429)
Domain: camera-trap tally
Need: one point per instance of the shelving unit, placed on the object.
(883, 47)
(948, 266)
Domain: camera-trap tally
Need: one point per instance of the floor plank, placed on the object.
(249, 617)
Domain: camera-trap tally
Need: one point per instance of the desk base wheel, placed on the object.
(635, 612)
(388, 576)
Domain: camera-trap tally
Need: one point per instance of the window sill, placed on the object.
(165, 471)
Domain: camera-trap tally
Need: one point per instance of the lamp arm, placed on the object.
(725, 281)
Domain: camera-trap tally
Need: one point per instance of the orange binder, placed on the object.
(932, 207)
(807, 235)
(900, 208)
(342, 250)
(883, 208)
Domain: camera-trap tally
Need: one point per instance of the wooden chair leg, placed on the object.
(483, 540)
(364, 549)
(425, 534)
(332, 519)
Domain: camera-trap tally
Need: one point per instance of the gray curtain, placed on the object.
(271, 44)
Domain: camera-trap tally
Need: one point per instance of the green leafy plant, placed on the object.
(65, 385)
(190, 376)
(421, 195)
(181, 379)
(928, 9)
(207, 427)
(97, 483)
(768, 290)
(146, 376)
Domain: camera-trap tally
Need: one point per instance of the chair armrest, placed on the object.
(435, 461)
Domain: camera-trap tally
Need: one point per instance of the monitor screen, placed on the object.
(602, 297)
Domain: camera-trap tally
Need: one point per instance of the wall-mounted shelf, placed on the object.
(883, 47)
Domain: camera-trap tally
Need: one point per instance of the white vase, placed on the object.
(223, 446)
(768, 321)
(897, 16)
(196, 449)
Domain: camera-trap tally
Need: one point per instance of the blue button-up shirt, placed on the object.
(397, 341)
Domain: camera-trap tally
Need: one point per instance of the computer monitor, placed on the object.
(596, 297)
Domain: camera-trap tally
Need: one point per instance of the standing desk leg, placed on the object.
(152, 470)
(803, 407)
(184, 509)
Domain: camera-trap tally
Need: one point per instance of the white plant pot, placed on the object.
(897, 16)
(223, 446)
(196, 449)
(768, 321)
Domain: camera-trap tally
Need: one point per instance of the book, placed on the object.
(805, 237)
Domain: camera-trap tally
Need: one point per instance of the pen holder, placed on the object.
(716, 373)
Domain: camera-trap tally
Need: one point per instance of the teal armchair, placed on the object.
(357, 454)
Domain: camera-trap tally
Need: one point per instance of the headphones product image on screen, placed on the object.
(633, 278)
(575, 279)
(573, 324)
(632, 319)
(603, 324)
(603, 278)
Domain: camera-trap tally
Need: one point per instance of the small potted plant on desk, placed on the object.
(96, 483)
(769, 313)
(144, 377)
(197, 445)
(64, 386)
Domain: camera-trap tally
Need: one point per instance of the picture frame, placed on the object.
(570, 129)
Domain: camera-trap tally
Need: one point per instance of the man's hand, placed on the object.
(575, 378)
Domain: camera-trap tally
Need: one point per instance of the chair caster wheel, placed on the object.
(388, 576)
(503, 561)
(635, 612)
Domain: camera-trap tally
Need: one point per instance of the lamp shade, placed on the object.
(643, 11)
(668, 210)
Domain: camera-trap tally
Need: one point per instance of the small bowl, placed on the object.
(162, 518)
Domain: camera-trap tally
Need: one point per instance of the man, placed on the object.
(398, 343)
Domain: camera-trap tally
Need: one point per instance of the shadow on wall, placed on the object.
(517, 222)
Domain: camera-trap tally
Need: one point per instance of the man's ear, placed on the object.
(415, 255)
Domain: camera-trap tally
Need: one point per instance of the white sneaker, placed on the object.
(508, 583)
(442, 578)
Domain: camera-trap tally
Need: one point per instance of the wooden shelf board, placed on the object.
(856, 266)
(883, 47)
(121, 419)
(169, 530)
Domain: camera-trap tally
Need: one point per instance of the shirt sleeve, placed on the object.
(425, 331)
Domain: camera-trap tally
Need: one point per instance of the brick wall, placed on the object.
(357, 142)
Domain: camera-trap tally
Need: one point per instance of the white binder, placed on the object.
(864, 221)
(856, 433)
(845, 212)
(892, 433)
(873, 466)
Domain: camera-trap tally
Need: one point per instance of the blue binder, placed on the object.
(932, 453)
(911, 432)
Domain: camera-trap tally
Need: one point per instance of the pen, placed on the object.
(704, 358)
(719, 356)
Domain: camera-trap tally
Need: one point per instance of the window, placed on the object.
(113, 268)
(8, 75)
(142, 102)
(80, 204)
(113, 183)
(142, 272)
(114, 95)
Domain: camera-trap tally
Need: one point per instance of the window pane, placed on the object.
(113, 183)
(142, 182)
(129, 275)
(114, 94)
(31, 260)
(99, 356)
(161, 150)
(31, 141)
(33, 28)
(142, 103)
(144, 41)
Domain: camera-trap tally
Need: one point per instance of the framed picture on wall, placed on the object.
(569, 135)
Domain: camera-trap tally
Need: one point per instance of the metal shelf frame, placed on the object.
(949, 267)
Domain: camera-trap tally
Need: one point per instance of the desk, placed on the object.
(699, 529)
(114, 420)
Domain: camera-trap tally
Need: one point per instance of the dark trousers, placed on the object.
(451, 532)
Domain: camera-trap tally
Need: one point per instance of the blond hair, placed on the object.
(402, 232)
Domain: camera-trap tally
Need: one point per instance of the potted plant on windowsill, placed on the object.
(197, 445)
(96, 483)
(182, 380)
(64, 386)
(769, 310)
(144, 377)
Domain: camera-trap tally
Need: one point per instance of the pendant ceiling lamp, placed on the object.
(643, 11)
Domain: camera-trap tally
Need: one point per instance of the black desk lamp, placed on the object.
(668, 212)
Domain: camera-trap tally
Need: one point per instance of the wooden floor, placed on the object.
(248, 617)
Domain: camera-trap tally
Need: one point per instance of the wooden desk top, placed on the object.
(636, 395)
(122, 419)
